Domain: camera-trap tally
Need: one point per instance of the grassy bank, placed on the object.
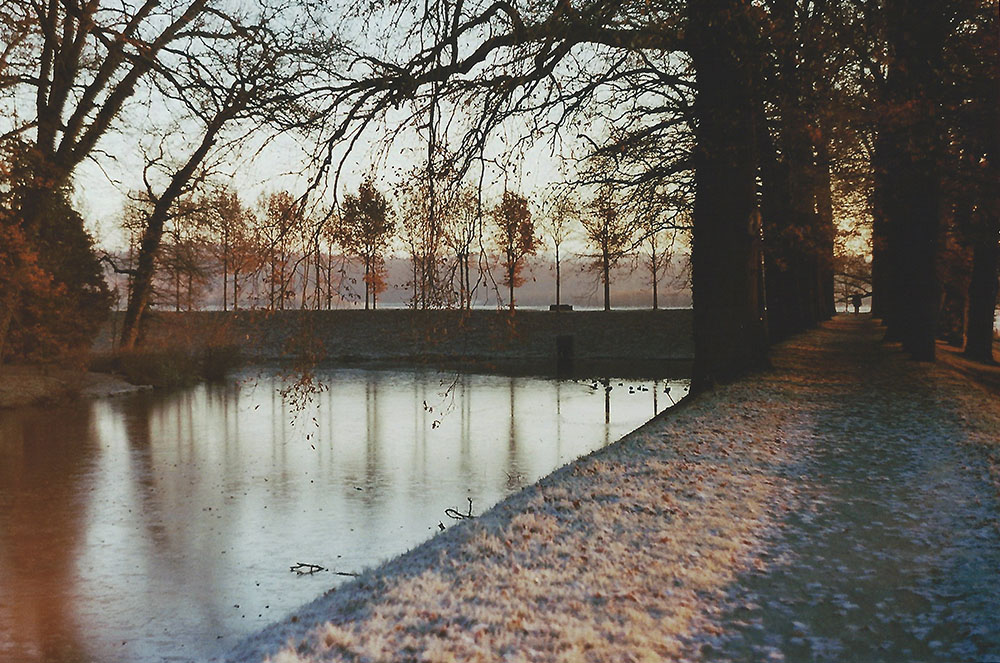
(170, 366)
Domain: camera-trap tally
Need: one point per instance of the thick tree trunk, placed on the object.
(142, 283)
(885, 268)
(826, 230)
(792, 238)
(983, 297)
(916, 34)
(729, 333)
(878, 267)
(780, 295)
(149, 247)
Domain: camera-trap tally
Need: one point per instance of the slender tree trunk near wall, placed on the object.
(729, 333)
(467, 267)
(654, 270)
(329, 282)
(282, 283)
(606, 271)
(305, 282)
(558, 301)
(415, 298)
(273, 303)
(225, 272)
(236, 290)
(510, 281)
(983, 296)
(367, 282)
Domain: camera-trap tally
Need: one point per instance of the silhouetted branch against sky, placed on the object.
(479, 65)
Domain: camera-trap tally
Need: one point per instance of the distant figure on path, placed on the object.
(856, 303)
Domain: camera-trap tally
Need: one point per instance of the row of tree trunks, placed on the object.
(729, 330)
(907, 171)
(797, 211)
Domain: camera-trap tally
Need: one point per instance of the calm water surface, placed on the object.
(162, 526)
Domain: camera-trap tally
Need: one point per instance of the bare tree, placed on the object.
(557, 224)
(368, 227)
(423, 234)
(231, 225)
(79, 62)
(280, 216)
(553, 65)
(609, 233)
(463, 228)
(236, 71)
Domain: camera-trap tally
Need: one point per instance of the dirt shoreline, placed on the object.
(662, 545)
(33, 385)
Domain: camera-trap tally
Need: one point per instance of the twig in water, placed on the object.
(455, 514)
(306, 569)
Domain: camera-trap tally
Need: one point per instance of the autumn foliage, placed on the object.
(54, 295)
(514, 233)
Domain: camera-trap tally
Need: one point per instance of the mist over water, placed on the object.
(162, 526)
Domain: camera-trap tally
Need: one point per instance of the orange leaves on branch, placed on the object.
(514, 232)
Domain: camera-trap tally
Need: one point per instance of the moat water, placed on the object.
(162, 526)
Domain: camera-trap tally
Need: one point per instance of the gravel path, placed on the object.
(839, 507)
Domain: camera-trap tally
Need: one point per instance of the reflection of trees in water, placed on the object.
(169, 504)
(43, 479)
(373, 465)
(464, 394)
(559, 419)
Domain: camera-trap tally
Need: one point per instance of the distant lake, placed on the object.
(162, 526)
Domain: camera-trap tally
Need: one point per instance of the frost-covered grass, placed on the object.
(640, 551)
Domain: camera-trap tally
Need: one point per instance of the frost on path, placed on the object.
(838, 507)
(892, 552)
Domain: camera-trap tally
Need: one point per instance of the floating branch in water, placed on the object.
(306, 569)
(455, 514)
(309, 569)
